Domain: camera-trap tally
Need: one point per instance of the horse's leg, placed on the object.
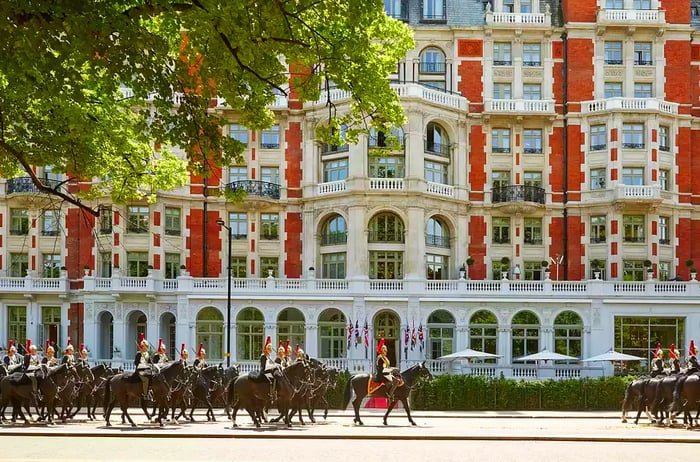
(391, 405)
(251, 412)
(210, 412)
(356, 406)
(125, 412)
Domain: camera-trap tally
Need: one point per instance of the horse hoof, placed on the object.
(413, 423)
(624, 420)
(133, 425)
(385, 424)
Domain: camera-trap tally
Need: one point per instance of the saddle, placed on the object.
(257, 377)
(373, 385)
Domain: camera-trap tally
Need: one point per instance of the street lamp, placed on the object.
(221, 222)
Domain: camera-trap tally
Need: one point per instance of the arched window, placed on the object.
(210, 332)
(441, 331)
(568, 328)
(432, 68)
(291, 326)
(525, 334)
(105, 340)
(332, 338)
(436, 140)
(334, 231)
(386, 227)
(250, 327)
(483, 331)
(379, 139)
(437, 234)
(386, 326)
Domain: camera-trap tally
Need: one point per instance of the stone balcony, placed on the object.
(632, 18)
(629, 105)
(407, 91)
(325, 288)
(628, 196)
(519, 106)
(518, 20)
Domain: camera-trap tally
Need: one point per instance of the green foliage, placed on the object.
(465, 393)
(65, 63)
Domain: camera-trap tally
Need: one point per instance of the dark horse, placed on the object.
(358, 384)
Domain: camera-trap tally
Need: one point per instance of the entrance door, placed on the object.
(386, 326)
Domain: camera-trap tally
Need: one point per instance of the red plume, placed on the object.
(268, 341)
(160, 344)
(11, 344)
(70, 342)
(182, 348)
(296, 350)
(199, 350)
(692, 350)
(141, 337)
(48, 344)
(286, 346)
(29, 343)
(380, 345)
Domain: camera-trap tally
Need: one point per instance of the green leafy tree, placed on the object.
(89, 88)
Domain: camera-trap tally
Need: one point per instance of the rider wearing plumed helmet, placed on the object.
(657, 364)
(201, 361)
(68, 353)
(142, 362)
(49, 355)
(83, 355)
(12, 360)
(692, 361)
(383, 372)
(675, 357)
(160, 357)
(31, 365)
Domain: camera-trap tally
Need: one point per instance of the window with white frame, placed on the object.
(51, 265)
(173, 221)
(500, 179)
(137, 219)
(270, 175)
(392, 8)
(500, 140)
(532, 91)
(171, 269)
(441, 334)
(268, 264)
(613, 89)
(237, 173)
(532, 140)
(663, 270)
(502, 54)
(601, 269)
(633, 228)
(432, 61)
(526, 6)
(436, 266)
(334, 231)
(613, 53)
(333, 265)
(238, 222)
(332, 334)
(525, 334)
(105, 265)
(239, 132)
(641, 4)
(335, 170)
(614, 4)
(435, 172)
(105, 219)
(386, 166)
(599, 137)
(642, 54)
(137, 264)
(270, 137)
(483, 332)
(269, 226)
(664, 179)
(433, 10)
(532, 178)
(437, 234)
(532, 231)
(598, 178)
(19, 265)
(385, 264)
(509, 6)
(532, 54)
(643, 90)
(568, 334)
(19, 222)
(598, 229)
(664, 138)
(664, 232)
(500, 227)
(633, 176)
(50, 222)
(633, 270)
(502, 91)
(239, 267)
(633, 136)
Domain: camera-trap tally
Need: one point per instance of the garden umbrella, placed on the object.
(546, 355)
(613, 355)
(469, 354)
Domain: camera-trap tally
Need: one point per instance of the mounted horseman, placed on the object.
(200, 361)
(675, 357)
(142, 362)
(657, 364)
(267, 366)
(281, 355)
(161, 357)
(83, 355)
(49, 356)
(68, 354)
(287, 360)
(31, 365)
(692, 361)
(384, 372)
(13, 361)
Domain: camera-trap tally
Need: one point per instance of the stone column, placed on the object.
(414, 255)
(311, 333)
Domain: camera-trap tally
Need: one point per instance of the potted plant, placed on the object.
(545, 266)
(650, 271)
(463, 272)
(596, 265)
(86, 270)
(505, 267)
(693, 272)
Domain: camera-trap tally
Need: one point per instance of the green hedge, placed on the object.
(467, 393)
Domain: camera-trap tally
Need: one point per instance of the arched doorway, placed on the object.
(136, 325)
(167, 333)
(387, 325)
(332, 334)
(105, 335)
(568, 334)
(483, 332)
(525, 334)
(291, 326)
(441, 334)
(210, 332)
(250, 327)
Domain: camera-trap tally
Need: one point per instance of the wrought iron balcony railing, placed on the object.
(256, 188)
(24, 184)
(518, 193)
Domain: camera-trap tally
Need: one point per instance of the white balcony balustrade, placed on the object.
(629, 104)
(631, 17)
(331, 187)
(519, 106)
(439, 189)
(519, 19)
(386, 184)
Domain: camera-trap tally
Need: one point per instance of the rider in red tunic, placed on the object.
(383, 372)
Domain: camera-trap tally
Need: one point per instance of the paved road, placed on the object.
(439, 436)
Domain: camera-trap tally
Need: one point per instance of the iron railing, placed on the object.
(256, 188)
(518, 193)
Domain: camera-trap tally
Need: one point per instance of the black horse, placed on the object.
(359, 385)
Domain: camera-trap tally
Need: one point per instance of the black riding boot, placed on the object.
(273, 395)
(390, 391)
(35, 391)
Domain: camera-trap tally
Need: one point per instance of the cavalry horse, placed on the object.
(252, 393)
(360, 385)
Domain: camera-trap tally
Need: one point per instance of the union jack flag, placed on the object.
(413, 336)
(421, 338)
(366, 333)
(349, 332)
(405, 340)
(358, 338)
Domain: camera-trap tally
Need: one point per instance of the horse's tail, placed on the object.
(347, 396)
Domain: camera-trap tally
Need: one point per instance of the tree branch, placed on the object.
(41, 187)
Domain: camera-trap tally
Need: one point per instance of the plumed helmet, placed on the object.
(48, 347)
(692, 350)
(201, 351)
(281, 350)
(11, 346)
(161, 345)
(183, 350)
(380, 345)
(288, 348)
(142, 340)
(83, 349)
(69, 345)
(673, 353)
(268, 344)
(29, 344)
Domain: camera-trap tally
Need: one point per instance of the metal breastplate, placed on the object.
(144, 358)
